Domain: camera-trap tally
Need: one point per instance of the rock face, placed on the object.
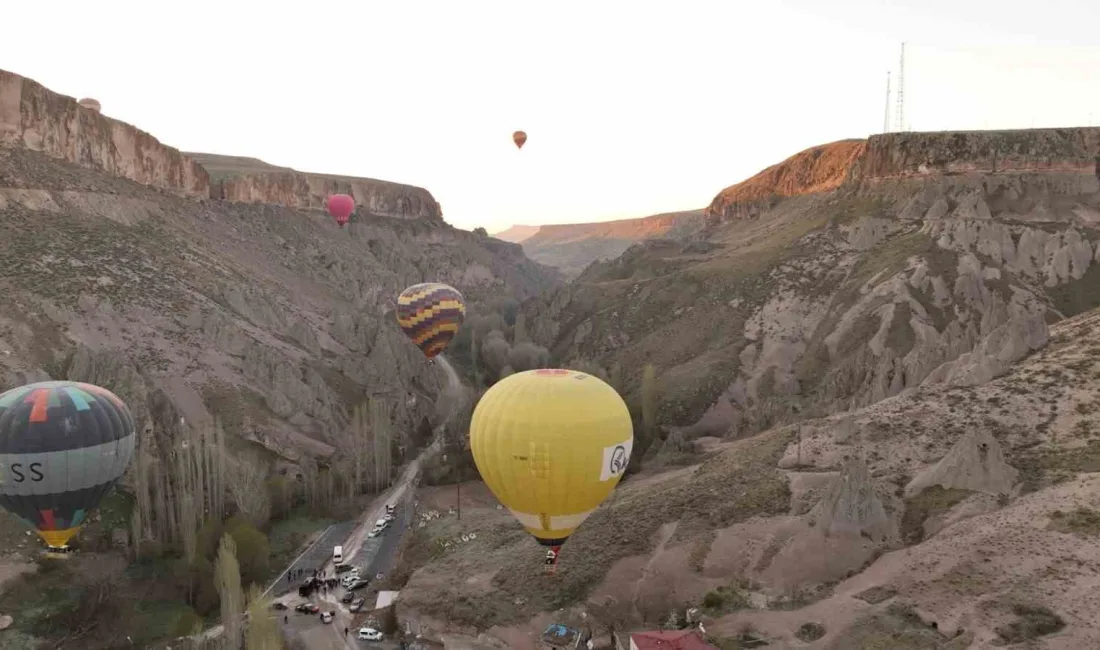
(38, 119)
(846, 528)
(265, 317)
(975, 463)
(572, 247)
(867, 270)
(247, 180)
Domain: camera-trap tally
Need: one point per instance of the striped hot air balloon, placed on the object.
(63, 446)
(430, 314)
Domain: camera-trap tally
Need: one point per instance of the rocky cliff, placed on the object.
(33, 117)
(248, 180)
(263, 316)
(572, 247)
(845, 285)
(852, 163)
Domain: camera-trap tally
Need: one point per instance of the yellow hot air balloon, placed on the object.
(551, 445)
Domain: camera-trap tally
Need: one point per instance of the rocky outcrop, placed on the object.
(247, 180)
(853, 164)
(247, 314)
(572, 247)
(39, 119)
(818, 169)
(833, 300)
(976, 463)
(894, 155)
(845, 529)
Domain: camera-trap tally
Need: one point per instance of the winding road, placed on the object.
(371, 556)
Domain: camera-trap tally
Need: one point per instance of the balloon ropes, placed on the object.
(551, 445)
(340, 206)
(63, 446)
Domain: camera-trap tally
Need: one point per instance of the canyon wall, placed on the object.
(34, 117)
(246, 180)
(851, 163)
(37, 118)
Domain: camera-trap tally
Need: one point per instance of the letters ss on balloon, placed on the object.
(21, 472)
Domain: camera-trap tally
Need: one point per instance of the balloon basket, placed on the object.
(58, 552)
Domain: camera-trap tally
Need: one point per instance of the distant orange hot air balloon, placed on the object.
(519, 137)
(340, 206)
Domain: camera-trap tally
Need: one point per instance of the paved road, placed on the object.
(313, 559)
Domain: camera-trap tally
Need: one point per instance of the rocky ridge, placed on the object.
(119, 270)
(808, 302)
(36, 118)
(572, 247)
(946, 518)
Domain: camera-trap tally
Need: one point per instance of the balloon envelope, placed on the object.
(340, 206)
(430, 314)
(63, 446)
(519, 137)
(551, 445)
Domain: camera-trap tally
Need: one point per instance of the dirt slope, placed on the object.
(760, 534)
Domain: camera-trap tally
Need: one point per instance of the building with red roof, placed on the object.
(669, 640)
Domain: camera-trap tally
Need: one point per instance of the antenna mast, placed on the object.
(886, 112)
(899, 111)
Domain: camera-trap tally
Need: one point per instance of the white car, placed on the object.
(350, 580)
(369, 634)
(326, 617)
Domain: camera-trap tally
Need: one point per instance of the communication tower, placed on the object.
(899, 110)
(886, 112)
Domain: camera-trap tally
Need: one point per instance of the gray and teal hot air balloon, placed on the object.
(63, 446)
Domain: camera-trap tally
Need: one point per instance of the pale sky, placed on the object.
(632, 108)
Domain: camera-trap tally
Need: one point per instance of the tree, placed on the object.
(519, 331)
(246, 482)
(495, 351)
(481, 231)
(253, 550)
(227, 580)
(263, 630)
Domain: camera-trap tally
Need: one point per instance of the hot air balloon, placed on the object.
(63, 446)
(551, 445)
(430, 314)
(91, 104)
(519, 137)
(340, 206)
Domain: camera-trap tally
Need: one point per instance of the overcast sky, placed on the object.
(632, 108)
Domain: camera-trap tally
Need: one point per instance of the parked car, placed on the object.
(326, 617)
(278, 606)
(348, 597)
(369, 634)
(343, 568)
(349, 579)
(356, 605)
(358, 584)
(307, 608)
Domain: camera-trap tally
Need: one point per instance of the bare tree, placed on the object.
(227, 580)
(263, 630)
(247, 488)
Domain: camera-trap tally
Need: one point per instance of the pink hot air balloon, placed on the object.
(340, 206)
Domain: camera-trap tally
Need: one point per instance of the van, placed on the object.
(338, 555)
